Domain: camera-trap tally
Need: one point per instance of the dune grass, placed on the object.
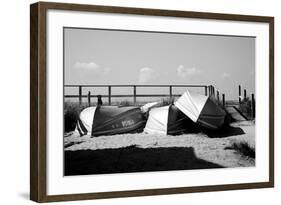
(244, 148)
(71, 115)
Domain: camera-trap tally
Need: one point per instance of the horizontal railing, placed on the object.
(208, 90)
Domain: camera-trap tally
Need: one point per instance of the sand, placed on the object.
(208, 147)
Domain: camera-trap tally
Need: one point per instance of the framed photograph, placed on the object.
(135, 102)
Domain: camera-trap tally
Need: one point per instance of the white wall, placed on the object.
(14, 79)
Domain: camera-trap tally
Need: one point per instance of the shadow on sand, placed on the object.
(133, 159)
(226, 131)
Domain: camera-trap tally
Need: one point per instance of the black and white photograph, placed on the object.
(141, 101)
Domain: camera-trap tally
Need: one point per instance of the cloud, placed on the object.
(82, 65)
(183, 72)
(146, 74)
(92, 66)
(225, 75)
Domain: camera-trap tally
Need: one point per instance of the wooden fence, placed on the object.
(208, 90)
(245, 97)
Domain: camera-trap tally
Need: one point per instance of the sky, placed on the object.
(94, 56)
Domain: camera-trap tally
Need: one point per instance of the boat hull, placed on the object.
(111, 120)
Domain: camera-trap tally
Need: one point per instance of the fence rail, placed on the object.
(208, 90)
(191, 86)
(121, 96)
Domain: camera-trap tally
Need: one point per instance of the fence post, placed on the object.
(245, 94)
(109, 95)
(239, 93)
(171, 93)
(253, 106)
(218, 96)
(89, 98)
(206, 90)
(135, 93)
(223, 100)
(209, 88)
(212, 90)
(80, 95)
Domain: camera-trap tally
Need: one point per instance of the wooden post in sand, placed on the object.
(223, 100)
(239, 93)
(253, 106)
(89, 98)
(109, 95)
(245, 94)
(171, 93)
(80, 95)
(135, 94)
(210, 90)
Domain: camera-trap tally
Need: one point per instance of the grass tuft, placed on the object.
(243, 148)
(167, 101)
(71, 115)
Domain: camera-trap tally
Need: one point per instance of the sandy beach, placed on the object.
(146, 152)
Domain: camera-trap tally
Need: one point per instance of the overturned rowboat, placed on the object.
(190, 112)
(201, 109)
(110, 120)
(168, 120)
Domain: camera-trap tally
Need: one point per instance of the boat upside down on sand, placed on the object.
(190, 112)
(201, 109)
(169, 120)
(110, 120)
